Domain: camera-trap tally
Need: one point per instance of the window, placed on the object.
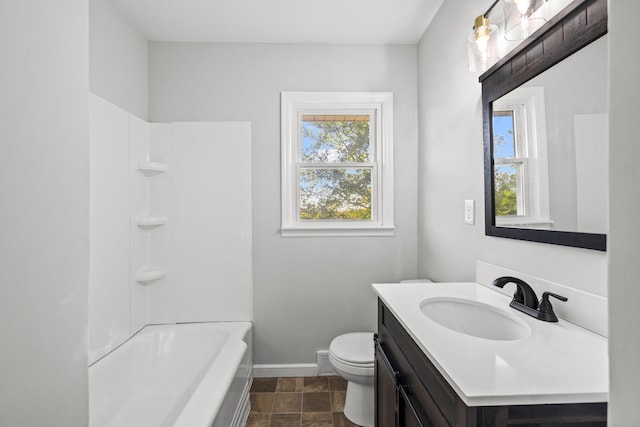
(337, 171)
(510, 163)
(519, 158)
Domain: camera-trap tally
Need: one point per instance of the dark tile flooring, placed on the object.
(298, 402)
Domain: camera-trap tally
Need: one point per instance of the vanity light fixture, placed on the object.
(520, 19)
(482, 43)
(523, 17)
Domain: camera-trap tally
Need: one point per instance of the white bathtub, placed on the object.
(185, 375)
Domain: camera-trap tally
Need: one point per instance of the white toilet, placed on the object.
(352, 356)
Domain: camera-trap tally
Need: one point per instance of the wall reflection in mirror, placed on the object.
(550, 147)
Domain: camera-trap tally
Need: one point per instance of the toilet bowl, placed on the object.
(352, 356)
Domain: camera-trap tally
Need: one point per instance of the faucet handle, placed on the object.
(546, 309)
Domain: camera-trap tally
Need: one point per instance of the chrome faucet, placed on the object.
(526, 301)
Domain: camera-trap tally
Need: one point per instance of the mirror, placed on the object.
(550, 140)
(546, 136)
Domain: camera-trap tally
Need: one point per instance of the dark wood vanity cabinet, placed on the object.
(410, 392)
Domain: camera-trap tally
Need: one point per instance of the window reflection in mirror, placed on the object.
(550, 145)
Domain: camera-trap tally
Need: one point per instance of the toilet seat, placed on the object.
(354, 350)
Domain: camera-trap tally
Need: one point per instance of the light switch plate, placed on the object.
(469, 212)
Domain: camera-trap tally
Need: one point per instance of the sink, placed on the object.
(474, 318)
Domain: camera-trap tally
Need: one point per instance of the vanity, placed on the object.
(468, 354)
(435, 369)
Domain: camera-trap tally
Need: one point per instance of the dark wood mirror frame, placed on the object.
(579, 24)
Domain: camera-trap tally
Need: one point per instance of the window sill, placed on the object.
(522, 222)
(310, 231)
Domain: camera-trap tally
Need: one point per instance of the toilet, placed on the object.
(352, 356)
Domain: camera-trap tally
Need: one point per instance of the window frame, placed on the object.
(531, 153)
(519, 161)
(380, 105)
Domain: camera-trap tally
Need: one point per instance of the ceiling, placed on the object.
(281, 21)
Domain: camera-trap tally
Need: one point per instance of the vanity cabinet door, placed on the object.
(434, 404)
(393, 406)
(407, 415)
(386, 389)
(401, 400)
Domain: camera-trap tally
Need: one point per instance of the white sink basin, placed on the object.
(474, 318)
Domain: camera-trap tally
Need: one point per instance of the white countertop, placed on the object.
(555, 363)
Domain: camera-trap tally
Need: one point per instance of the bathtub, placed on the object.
(184, 375)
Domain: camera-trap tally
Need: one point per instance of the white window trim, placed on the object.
(381, 104)
(528, 104)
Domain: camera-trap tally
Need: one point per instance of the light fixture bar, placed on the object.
(486, 14)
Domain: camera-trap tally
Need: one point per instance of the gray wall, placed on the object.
(44, 219)
(306, 290)
(624, 237)
(451, 170)
(118, 57)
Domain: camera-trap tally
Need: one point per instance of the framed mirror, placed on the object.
(545, 122)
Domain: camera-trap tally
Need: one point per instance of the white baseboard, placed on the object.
(285, 370)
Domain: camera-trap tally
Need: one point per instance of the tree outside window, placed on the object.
(335, 192)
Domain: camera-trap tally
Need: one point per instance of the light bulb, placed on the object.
(522, 18)
(482, 37)
(525, 27)
(482, 44)
(523, 6)
(482, 32)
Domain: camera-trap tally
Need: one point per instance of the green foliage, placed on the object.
(505, 194)
(335, 193)
(328, 193)
(334, 141)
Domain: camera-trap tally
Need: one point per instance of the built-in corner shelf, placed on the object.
(150, 274)
(151, 169)
(149, 221)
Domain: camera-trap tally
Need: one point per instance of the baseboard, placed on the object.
(285, 370)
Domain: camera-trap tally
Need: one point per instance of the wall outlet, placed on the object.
(469, 212)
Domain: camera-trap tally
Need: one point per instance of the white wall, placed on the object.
(152, 245)
(119, 305)
(211, 221)
(451, 170)
(109, 252)
(624, 237)
(306, 290)
(118, 59)
(203, 246)
(44, 215)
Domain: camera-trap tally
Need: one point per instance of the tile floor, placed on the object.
(298, 402)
